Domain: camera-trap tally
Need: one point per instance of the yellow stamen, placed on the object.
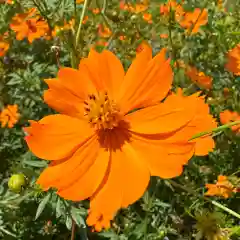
(102, 113)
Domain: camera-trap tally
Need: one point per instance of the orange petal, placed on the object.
(106, 71)
(85, 186)
(147, 81)
(64, 173)
(165, 117)
(204, 145)
(63, 100)
(126, 182)
(78, 82)
(57, 136)
(163, 159)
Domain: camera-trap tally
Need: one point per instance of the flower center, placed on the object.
(102, 113)
(31, 26)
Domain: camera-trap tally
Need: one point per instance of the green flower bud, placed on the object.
(17, 182)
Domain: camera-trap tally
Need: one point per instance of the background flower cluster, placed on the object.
(202, 39)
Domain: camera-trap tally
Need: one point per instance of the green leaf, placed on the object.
(40, 164)
(77, 216)
(68, 222)
(42, 205)
(59, 208)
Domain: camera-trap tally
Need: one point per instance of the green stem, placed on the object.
(223, 127)
(225, 209)
(205, 198)
(73, 230)
(81, 21)
(104, 6)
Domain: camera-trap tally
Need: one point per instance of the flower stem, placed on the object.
(81, 21)
(220, 128)
(73, 230)
(205, 198)
(225, 209)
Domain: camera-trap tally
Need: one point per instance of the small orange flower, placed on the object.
(79, 1)
(29, 25)
(233, 60)
(11, 2)
(147, 17)
(199, 78)
(102, 150)
(222, 188)
(9, 116)
(228, 117)
(96, 11)
(172, 5)
(104, 31)
(4, 46)
(122, 38)
(192, 21)
(137, 8)
(143, 45)
(163, 35)
(65, 27)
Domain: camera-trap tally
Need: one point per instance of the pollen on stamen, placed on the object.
(102, 113)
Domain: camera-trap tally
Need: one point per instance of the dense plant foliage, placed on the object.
(39, 37)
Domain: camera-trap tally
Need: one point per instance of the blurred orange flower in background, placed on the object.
(192, 21)
(102, 150)
(233, 60)
(9, 116)
(79, 1)
(147, 17)
(199, 78)
(166, 8)
(104, 31)
(222, 188)
(29, 25)
(4, 46)
(67, 26)
(228, 116)
(134, 8)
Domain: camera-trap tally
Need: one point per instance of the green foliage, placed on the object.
(166, 210)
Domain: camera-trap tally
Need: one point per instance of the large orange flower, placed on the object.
(29, 25)
(99, 147)
(233, 60)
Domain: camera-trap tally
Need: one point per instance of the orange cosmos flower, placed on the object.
(166, 8)
(199, 78)
(79, 1)
(233, 60)
(137, 8)
(192, 21)
(228, 117)
(65, 27)
(29, 25)
(4, 46)
(147, 17)
(223, 188)
(96, 11)
(104, 31)
(9, 116)
(164, 35)
(102, 150)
